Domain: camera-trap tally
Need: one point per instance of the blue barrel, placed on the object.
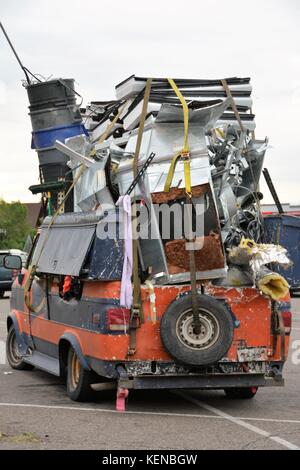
(284, 230)
(46, 138)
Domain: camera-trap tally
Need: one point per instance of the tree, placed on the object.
(13, 225)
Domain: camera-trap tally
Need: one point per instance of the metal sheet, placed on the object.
(63, 248)
(255, 158)
(205, 117)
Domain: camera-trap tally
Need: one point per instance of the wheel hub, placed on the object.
(14, 350)
(75, 368)
(206, 335)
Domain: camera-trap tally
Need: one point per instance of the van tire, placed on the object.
(2, 294)
(244, 393)
(13, 355)
(191, 348)
(78, 379)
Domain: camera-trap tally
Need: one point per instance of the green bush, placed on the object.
(13, 225)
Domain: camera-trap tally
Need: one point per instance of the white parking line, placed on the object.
(151, 413)
(238, 421)
(104, 410)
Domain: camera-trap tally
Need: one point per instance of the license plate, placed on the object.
(252, 354)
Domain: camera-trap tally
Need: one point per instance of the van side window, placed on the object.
(30, 256)
(70, 287)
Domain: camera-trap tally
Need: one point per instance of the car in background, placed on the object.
(7, 275)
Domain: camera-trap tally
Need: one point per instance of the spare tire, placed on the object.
(184, 344)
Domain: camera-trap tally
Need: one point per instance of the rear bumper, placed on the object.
(219, 381)
(5, 285)
(167, 375)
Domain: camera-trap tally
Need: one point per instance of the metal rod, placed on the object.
(15, 53)
(272, 190)
(140, 173)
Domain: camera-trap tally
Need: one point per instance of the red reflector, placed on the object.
(287, 321)
(118, 318)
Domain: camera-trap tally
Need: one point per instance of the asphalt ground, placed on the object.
(35, 413)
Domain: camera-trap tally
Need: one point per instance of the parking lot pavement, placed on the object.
(35, 413)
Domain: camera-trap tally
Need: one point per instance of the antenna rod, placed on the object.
(15, 53)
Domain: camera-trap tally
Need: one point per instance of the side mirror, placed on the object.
(12, 262)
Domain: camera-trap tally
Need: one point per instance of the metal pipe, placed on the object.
(273, 190)
(15, 53)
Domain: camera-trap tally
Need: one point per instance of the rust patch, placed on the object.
(178, 193)
(210, 256)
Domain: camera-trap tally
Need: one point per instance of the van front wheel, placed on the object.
(13, 354)
(78, 379)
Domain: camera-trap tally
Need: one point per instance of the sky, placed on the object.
(100, 43)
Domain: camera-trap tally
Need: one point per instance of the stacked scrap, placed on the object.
(197, 93)
(225, 167)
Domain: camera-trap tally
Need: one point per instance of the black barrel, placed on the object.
(56, 92)
(56, 172)
(53, 117)
(51, 156)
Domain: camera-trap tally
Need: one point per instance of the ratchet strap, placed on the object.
(137, 314)
(233, 105)
(184, 153)
(238, 118)
(282, 335)
(192, 260)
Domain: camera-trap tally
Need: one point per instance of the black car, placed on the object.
(5, 275)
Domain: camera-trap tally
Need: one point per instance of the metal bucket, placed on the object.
(54, 171)
(57, 92)
(51, 155)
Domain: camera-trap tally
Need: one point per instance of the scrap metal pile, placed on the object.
(192, 141)
(200, 136)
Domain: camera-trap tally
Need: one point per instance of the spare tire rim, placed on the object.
(209, 330)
